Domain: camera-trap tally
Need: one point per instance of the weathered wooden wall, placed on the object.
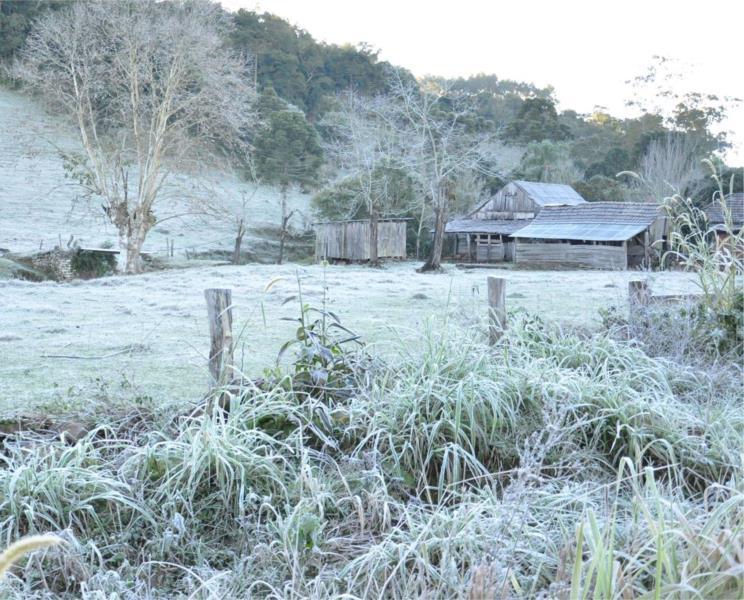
(570, 255)
(351, 240)
(489, 251)
(480, 251)
(510, 202)
(460, 246)
(509, 250)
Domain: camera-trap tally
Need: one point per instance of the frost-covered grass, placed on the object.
(38, 203)
(558, 464)
(150, 331)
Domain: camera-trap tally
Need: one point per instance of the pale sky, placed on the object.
(585, 49)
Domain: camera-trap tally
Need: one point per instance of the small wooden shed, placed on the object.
(598, 235)
(350, 240)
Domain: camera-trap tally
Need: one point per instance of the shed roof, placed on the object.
(593, 221)
(344, 221)
(734, 203)
(550, 194)
(502, 226)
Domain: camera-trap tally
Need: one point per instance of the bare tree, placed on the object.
(151, 89)
(439, 148)
(668, 166)
(365, 147)
(236, 214)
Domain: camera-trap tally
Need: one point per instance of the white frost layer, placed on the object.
(160, 319)
(38, 203)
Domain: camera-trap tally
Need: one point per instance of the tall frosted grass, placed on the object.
(557, 465)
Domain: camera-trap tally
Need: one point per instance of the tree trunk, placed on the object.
(131, 241)
(419, 230)
(121, 258)
(238, 241)
(134, 249)
(434, 262)
(374, 231)
(285, 220)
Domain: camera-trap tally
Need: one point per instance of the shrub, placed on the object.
(92, 264)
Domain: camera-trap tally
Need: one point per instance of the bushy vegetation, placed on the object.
(555, 464)
(92, 264)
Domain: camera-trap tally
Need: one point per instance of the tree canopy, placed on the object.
(288, 150)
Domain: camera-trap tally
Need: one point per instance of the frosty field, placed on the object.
(34, 189)
(148, 334)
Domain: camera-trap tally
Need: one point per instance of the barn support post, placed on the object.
(639, 292)
(496, 308)
(221, 350)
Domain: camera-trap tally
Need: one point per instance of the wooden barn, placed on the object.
(525, 199)
(350, 240)
(598, 235)
(484, 235)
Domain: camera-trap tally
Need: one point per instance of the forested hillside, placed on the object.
(301, 82)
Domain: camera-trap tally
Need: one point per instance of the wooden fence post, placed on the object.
(219, 308)
(639, 292)
(496, 308)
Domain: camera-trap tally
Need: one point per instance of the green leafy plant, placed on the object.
(324, 362)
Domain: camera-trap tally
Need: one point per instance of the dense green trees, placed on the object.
(300, 69)
(16, 17)
(536, 120)
(704, 190)
(601, 188)
(548, 161)
(287, 153)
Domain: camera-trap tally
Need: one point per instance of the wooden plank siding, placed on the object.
(489, 251)
(598, 256)
(350, 240)
(510, 202)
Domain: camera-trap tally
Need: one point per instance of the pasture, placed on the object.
(61, 344)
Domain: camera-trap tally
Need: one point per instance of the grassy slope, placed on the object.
(162, 317)
(38, 202)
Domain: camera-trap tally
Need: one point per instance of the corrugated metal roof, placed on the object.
(547, 194)
(501, 226)
(593, 221)
(734, 203)
(390, 220)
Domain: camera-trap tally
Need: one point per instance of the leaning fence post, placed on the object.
(496, 308)
(219, 309)
(639, 292)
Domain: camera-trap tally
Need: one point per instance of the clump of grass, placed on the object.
(25, 545)
(555, 464)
